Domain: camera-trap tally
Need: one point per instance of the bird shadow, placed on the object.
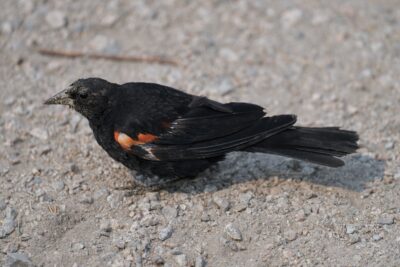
(244, 167)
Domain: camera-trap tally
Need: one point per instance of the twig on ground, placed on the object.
(76, 54)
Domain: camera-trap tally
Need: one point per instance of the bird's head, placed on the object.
(90, 96)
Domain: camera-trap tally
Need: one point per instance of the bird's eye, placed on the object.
(83, 95)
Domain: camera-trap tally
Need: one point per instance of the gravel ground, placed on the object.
(64, 202)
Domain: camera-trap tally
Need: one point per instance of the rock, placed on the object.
(149, 221)
(377, 237)
(386, 219)
(246, 197)
(3, 204)
(320, 17)
(120, 244)
(233, 232)
(300, 216)
(229, 244)
(77, 247)
(205, 217)
(9, 222)
(165, 233)
(114, 200)
(101, 193)
(228, 54)
(291, 17)
(56, 19)
(86, 199)
(200, 262)
(290, 235)
(108, 20)
(222, 203)
(101, 43)
(7, 27)
(351, 229)
(223, 86)
(58, 185)
(17, 260)
(169, 212)
(389, 145)
(105, 226)
(181, 260)
(39, 133)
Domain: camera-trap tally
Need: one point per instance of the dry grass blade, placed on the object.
(140, 59)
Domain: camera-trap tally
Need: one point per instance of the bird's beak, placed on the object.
(62, 98)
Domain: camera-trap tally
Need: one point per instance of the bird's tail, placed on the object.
(317, 145)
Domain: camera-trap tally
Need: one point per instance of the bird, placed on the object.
(164, 134)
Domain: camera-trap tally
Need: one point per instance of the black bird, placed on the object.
(165, 134)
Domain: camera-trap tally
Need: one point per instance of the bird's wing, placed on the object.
(207, 129)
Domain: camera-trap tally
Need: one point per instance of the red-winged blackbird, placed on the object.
(165, 134)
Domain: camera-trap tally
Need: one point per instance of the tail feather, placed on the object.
(317, 145)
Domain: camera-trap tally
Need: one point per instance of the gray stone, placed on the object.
(351, 229)
(222, 203)
(56, 19)
(377, 237)
(386, 219)
(233, 232)
(290, 235)
(77, 247)
(182, 260)
(169, 212)
(103, 192)
(17, 260)
(39, 133)
(101, 43)
(58, 185)
(149, 221)
(105, 226)
(200, 262)
(120, 244)
(165, 233)
(291, 17)
(389, 145)
(3, 204)
(114, 200)
(86, 199)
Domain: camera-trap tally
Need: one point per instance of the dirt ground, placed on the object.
(64, 202)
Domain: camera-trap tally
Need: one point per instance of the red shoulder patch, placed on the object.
(126, 142)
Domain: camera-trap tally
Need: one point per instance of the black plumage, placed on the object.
(165, 133)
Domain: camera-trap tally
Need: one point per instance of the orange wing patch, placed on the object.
(126, 142)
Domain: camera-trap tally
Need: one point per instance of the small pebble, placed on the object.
(85, 199)
(181, 260)
(222, 203)
(17, 260)
(200, 262)
(77, 247)
(39, 133)
(290, 235)
(120, 244)
(58, 185)
(3, 204)
(350, 229)
(233, 232)
(386, 219)
(56, 19)
(165, 233)
(105, 226)
(291, 17)
(377, 237)
(149, 221)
